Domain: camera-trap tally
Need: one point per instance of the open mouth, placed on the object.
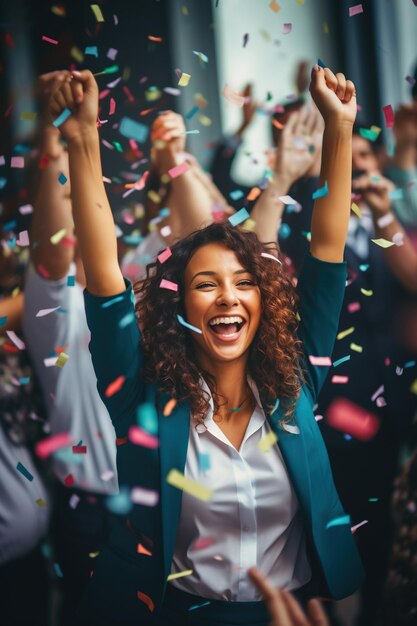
(227, 327)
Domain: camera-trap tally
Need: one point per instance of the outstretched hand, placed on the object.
(168, 139)
(334, 96)
(78, 92)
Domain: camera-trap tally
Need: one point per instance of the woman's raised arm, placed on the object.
(94, 224)
(336, 100)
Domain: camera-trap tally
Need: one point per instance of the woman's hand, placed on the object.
(334, 96)
(78, 92)
(168, 140)
(283, 608)
(375, 191)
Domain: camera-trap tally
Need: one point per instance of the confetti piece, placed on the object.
(49, 40)
(69, 480)
(133, 130)
(287, 28)
(238, 217)
(127, 319)
(48, 446)
(396, 194)
(112, 53)
(164, 255)
(62, 178)
(345, 333)
(120, 503)
(58, 570)
(287, 200)
(41, 502)
(25, 472)
(146, 497)
(17, 162)
(232, 96)
(146, 600)
(245, 39)
(28, 116)
(23, 239)
(371, 134)
(355, 347)
(290, 428)
(142, 550)
(79, 449)
(186, 572)
(340, 380)
(355, 528)
(339, 521)
(153, 38)
(367, 292)
(178, 170)
(165, 231)
(383, 243)
(236, 194)
(140, 437)
(201, 56)
(350, 418)
(178, 480)
(3, 320)
(389, 116)
(97, 12)
(355, 10)
(187, 325)
(266, 443)
(70, 281)
(184, 79)
(15, 339)
(91, 50)
(169, 407)
(56, 237)
(342, 360)
(320, 360)
(112, 106)
(58, 10)
(356, 210)
(106, 305)
(115, 386)
(26, 209)
(62, 359)
(254, 193)
(167, 284)
(413, 387)
(107, 475)
(321, 192)
(50, 361)
(270, 256)
(274, 6)
(62, 117)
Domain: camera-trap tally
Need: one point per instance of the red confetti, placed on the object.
(152, 38)
(43, 161)
(48, 446)
(389, 116)
(115, 386)
(120, 441)
(49, 40)
(10, 348)
(79, 449)
(146, 111)
(350, 418)
(147, 600)
(142, 550)
(69, 480)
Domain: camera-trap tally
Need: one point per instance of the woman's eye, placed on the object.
(204, 285)
(246, 283)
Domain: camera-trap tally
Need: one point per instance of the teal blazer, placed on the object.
(120, 571)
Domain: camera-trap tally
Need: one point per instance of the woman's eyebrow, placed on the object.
(211, 273)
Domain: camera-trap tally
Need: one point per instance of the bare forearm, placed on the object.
(93, 218)
(52, 213)
(268, 210)
(331, 212)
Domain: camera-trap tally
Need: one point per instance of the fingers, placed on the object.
(317, 614)
(341, 86)
(272, 597)
(296, 613)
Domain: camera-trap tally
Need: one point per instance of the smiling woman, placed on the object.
(221, 274)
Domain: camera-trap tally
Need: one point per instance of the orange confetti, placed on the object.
(254, 193)
(147, 600)
(277, 124)
(152, 38)
(169, 407)
(143, 550)
(147, 111)
(115, 386)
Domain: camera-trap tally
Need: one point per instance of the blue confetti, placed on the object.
(133, 130)
(120, 503)
(198, 606)
(321, 192)
(339, 521)
(91, 50)
(192, 112)
(3, 320)
(396, 194)
(165, 212)
(241, 216)
(25, 472)
(342, 360)
(204, 462)
(105, 305)
(236, 194)
(127, 319)
(186, 325)
(409, 364)
(147, 417)
(58, 570)
(24, 380)
(284, 231)
(62, 178)
(62, 118)
(70, 281)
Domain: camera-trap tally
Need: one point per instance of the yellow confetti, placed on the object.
(204, 120)
(93, 555)
(184, 80)
(41, 502)
(28, 116)
(184, 9)
(152, 94)
(274, 6)
(375, 129)
(413, 387)
(165, 179)
(383, 243)
(97, 12)
(62, 359)
(325, 28)
(77, 54)
(56, 237)
(356, 210)
(200, 100)
(249, 225)
(178, 480)
(367, 292)
(345, 333)
(15, 292)
(266, 443)
(300, 1)
(186, 572)
(356, 347)
(152, 195)
(126, 74)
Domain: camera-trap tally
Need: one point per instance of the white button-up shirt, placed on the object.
(252, 518)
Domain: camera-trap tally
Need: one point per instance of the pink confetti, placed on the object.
(167, 284)
(112, 53)
(103, 94)
(232, 96)
(164, 256)
(320, 360)
(17, 161)
(355, 528)
(353, 307)
(112, 106)
(350, 418)
(48, 446)
(340, 380)
(128, 93)
(389, 116)
(26, 209)
(140, 437)
(358, 8)
(287, 29)
(23, 239)
(201, 543)
(17, 342)
(178, 169)
(147, 497)
(49, 40)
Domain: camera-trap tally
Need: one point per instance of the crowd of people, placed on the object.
(216, 426)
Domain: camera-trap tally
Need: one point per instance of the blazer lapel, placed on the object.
(173, 436)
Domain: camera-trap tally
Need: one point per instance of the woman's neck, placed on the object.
(231, 387)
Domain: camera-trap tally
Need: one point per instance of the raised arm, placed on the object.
(297, 150)
(52, 204)
(93, 218)
(400, 258)
(336, 100)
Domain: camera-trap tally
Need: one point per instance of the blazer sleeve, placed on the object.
(116, 351)
(321, 288)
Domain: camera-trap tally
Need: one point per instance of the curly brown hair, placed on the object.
(275, 357)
